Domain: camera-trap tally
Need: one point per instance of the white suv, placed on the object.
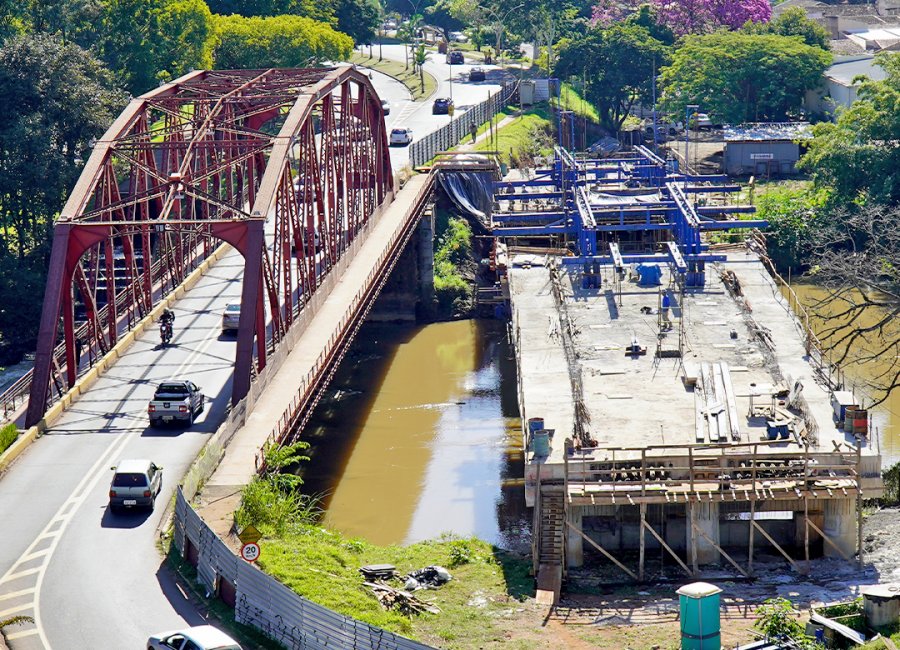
(201, 637)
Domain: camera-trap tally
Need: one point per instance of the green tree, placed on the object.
(419, 59)
(54, 99)
(777, 619)
(612, 86)
(792, 212)
(278, 41)
(794, 22)
(165, 38)
(323, 11)
(857, 158)
(358, 18)
(739, 77)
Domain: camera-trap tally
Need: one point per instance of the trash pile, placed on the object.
(377, 577)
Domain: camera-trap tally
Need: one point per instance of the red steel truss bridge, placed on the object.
(285, 165)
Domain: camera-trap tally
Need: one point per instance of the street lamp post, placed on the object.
(689, 111)
(499, 30)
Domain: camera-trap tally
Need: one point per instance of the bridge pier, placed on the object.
(408, 295)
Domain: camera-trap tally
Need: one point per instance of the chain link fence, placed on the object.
(450, 135)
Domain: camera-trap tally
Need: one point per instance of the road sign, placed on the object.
(249, 534)
(250, 551)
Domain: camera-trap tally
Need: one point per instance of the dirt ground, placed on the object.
(646, 617)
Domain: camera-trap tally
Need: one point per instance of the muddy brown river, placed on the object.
(420, 436)
(859, 377)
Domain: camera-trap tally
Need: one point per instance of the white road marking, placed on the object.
(60, 521)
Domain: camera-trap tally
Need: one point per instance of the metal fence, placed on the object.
(450, 135)
(266, 604)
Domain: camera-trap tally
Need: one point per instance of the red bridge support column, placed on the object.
(251, 311)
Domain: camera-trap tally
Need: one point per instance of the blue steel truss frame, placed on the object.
(564, 186)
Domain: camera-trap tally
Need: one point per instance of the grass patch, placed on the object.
(571, 100)
(8, 435)
(322, 566)
(397, 69)
(453, 250)
(528, 136)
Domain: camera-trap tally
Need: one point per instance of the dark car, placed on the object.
(477, 74)
(441, 106)
(455, 58)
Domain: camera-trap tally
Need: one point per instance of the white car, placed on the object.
(458, 37)
(231, 318)
(201, 637)
(401, 136)
(385, 106)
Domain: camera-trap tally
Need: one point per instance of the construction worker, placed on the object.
(666, 305)
(473, 129)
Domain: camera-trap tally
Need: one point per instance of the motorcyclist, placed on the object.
(166, 320)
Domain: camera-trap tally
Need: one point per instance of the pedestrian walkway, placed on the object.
(238, 468)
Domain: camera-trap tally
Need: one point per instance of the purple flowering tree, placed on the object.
(689, 16)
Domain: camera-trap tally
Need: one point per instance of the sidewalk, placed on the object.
(221, 493)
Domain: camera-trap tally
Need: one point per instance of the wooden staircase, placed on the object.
(551, 547)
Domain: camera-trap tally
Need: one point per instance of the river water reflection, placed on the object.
(420, 435)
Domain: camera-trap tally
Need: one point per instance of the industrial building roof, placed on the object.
(844, 72)
(767, 131)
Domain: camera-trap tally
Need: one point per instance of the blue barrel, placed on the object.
(535, 424)
(700, 629)
(541, 443)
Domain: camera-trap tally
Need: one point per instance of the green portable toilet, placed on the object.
(700, 616)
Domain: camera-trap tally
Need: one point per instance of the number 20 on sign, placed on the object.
(250, 551)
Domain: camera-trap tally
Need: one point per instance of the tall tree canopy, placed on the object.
(277, 41)
(165, 38)
(54, 99)
(314, 9)
(794, 22)
(740, 77)
(359, 19)
(857, 157)
(611, 85)
(689, 16)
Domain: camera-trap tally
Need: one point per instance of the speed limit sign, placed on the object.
(250, 551)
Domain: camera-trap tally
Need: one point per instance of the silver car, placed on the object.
(136, 483)
(200, 637)
(231, 317)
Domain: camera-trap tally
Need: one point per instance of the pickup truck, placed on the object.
(175, 400)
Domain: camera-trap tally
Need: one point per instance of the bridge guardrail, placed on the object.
(307, 397)
(266, 604)
(450, 135)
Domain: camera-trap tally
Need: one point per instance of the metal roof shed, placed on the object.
(764, 148)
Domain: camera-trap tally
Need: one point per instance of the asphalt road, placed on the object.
(93, 579)
(453, 81)
(96, 580)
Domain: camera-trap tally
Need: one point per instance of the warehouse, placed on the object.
(764, 149)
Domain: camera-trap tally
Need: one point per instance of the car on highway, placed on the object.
(199, 637)
(441, 106)
(477, 74)
(455, 57)
(401, 136)
(135, 484)
(386, 106)
(231, 317)
(176, 400)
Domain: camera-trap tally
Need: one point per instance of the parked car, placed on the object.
(200, 637)
(477, 74)
(231, 317)
(455, 57)
(441, 106)
(702, 121)
(458, 37)
(386, 106)
(135, 483)
(175, 400)
(401, 136)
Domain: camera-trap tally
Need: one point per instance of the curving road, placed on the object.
(94, 580)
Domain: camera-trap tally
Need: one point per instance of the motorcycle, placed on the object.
(165, 332)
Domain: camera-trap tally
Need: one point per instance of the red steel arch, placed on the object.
(286, 165)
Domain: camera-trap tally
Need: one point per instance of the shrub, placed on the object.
(8, 435)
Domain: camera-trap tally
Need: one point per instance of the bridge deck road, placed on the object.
(237, 467)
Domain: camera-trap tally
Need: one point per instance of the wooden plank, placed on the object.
(827, 539)
(734, 423)
(778, 548)
(603, 550)
(720, 550)
(666, 546)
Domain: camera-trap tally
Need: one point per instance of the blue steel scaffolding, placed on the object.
(563, 193)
